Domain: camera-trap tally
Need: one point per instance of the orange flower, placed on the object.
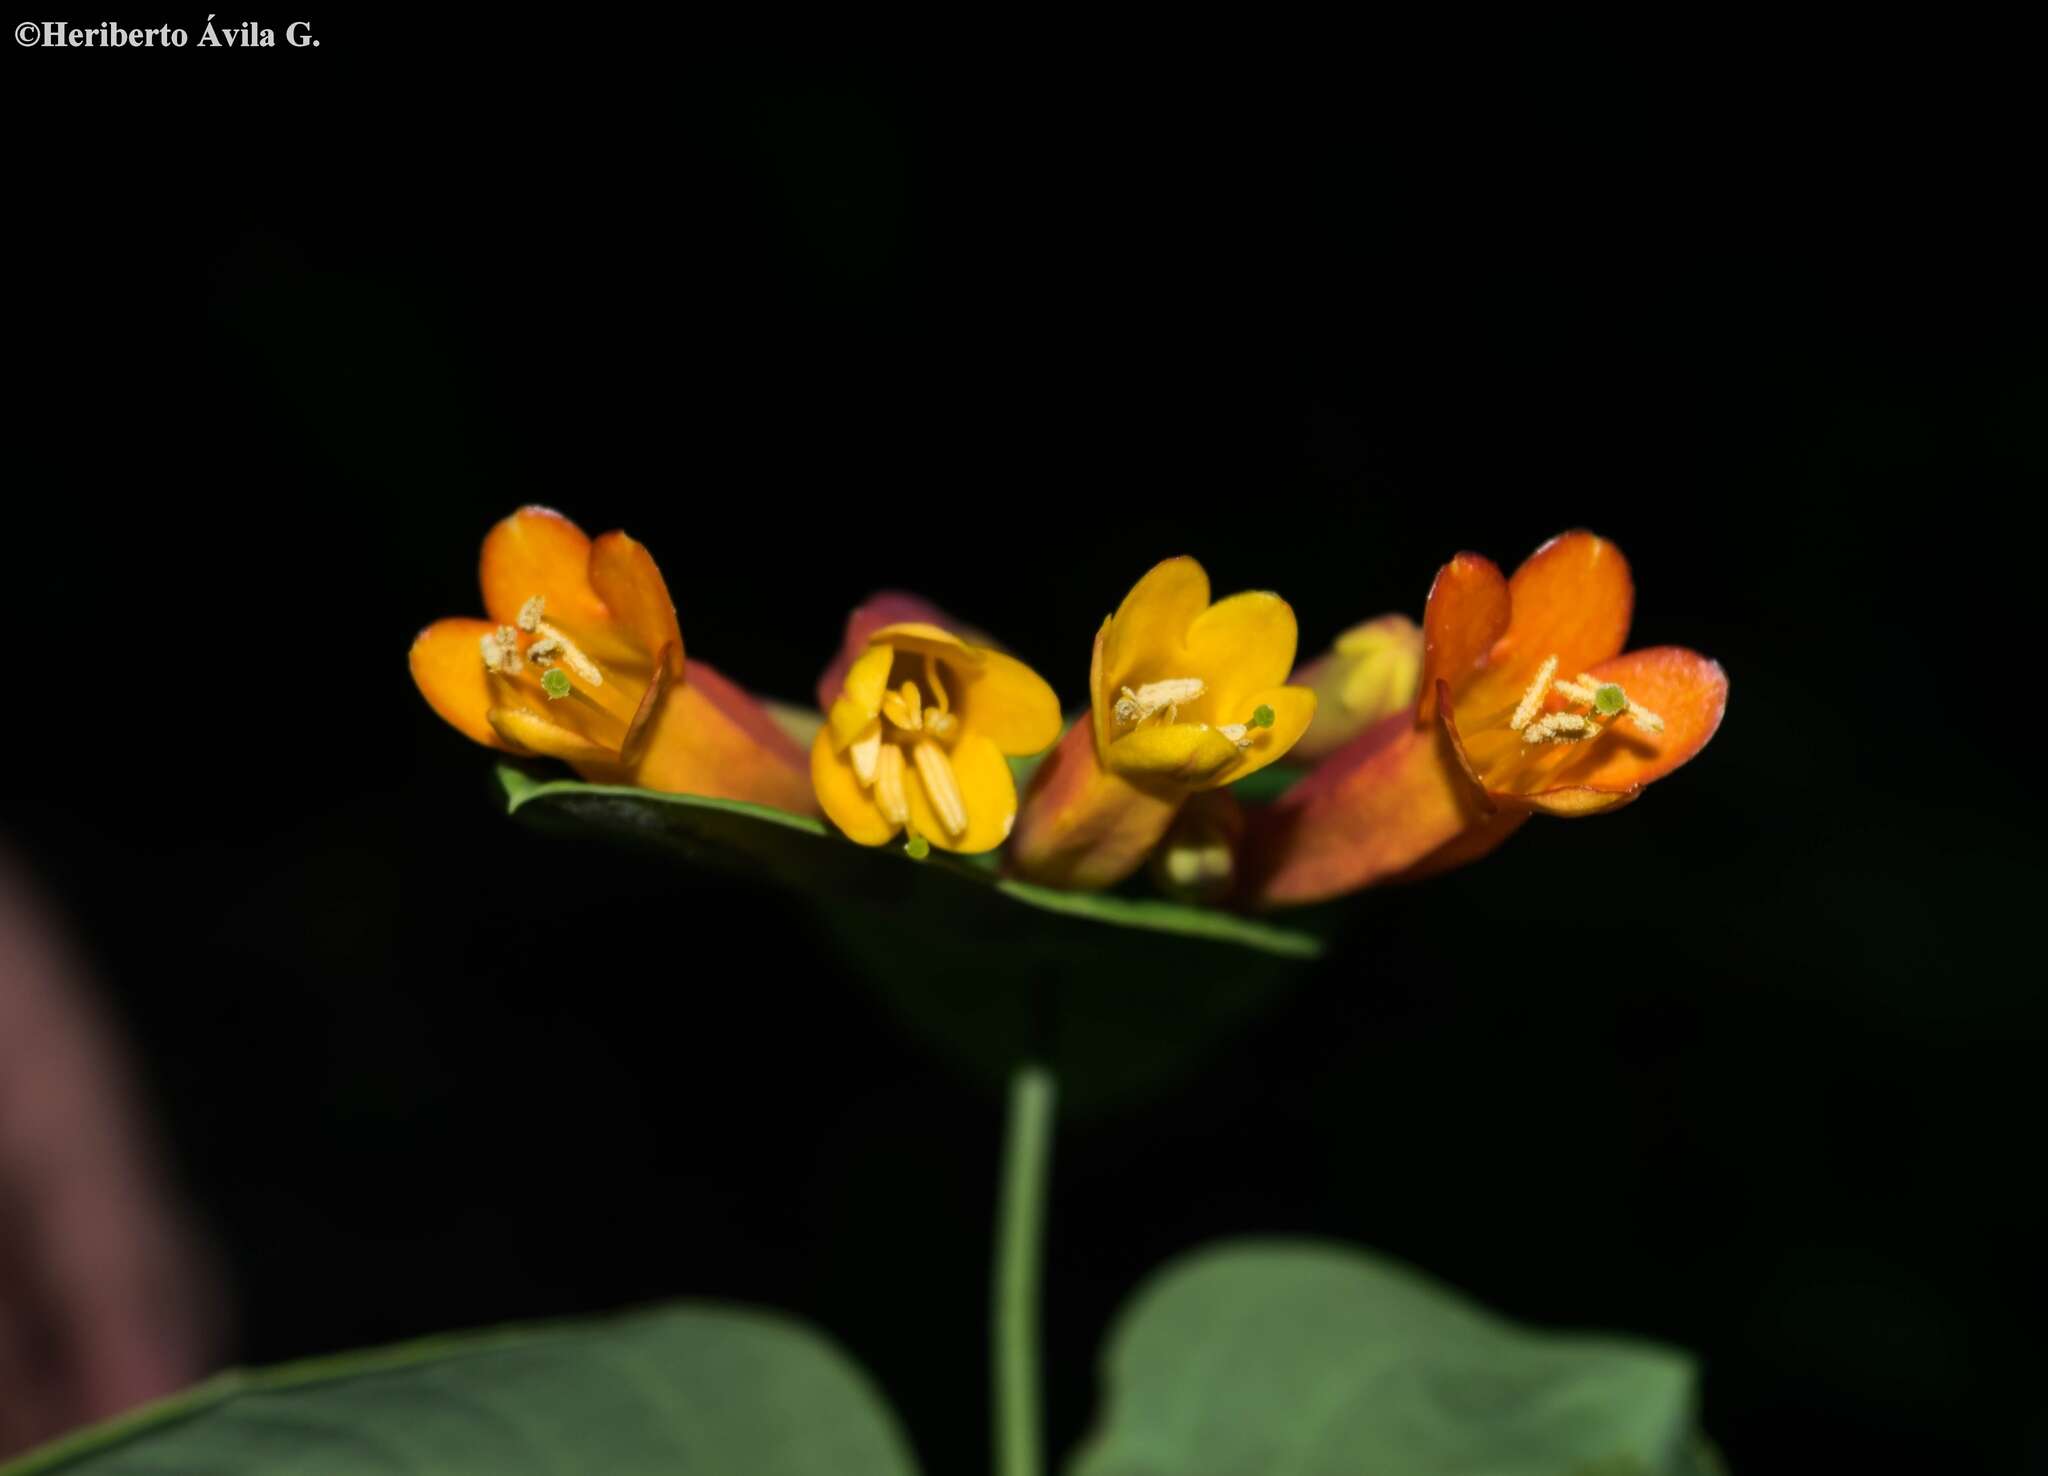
(1526, 704)
(582, 660)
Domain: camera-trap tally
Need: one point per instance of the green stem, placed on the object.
(1020, 1252)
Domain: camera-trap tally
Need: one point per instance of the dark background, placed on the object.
(1749, 1066)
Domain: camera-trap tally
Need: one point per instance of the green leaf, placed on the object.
(1134, 991)
(805, 853)
(1319, 1359)
(682, 1391)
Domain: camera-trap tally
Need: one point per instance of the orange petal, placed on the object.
(1082, 826)
(537, 551)
(625, 578)
(1572, 600)
(1468, 612)
(529, 731)
(1383, 803)
(448, 668)
(1682, 687)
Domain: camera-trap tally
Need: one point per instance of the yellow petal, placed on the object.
(531, 731)
(1187, 752)
(987, 790)
(1008, 703)
(1150, 628)
(845, 802)
(1294, 708)
(856, 707)
(915, 635)
(1238, 646)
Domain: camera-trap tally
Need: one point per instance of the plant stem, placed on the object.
(1020, 1252)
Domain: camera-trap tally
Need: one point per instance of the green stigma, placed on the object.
(555, 683)
(1262, 716)
(917, 848)
(1609, 700)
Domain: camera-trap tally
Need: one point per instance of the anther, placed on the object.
(1561, 727)
(1532, 699)
(501, 651)
(941, 786)
(561, 648)
(890, 798)
(864, 752)
(903, 708)
(530, 614)
(1156, 697)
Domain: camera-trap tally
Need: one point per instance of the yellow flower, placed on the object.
(1186, 696)
(916, 740)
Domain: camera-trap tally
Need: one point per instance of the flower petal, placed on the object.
(1008, 703)
(987, 789)
(1294, 708)
(845, 802)
(531, 732)
(1468, 612)
(1572, 599)
(624, 576)
(1389, 799)
(537, 551)
(448, 668)
(856, 704)
(1241, 645)
(1688, 691)
(1187, 753)
(930, 640)
(1083, 826)
(1150, 628)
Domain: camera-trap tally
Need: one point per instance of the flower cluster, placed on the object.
(1424, 747)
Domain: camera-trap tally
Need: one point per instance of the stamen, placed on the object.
(864, 752)
(931, 679)
(1584, 688)
(941, 786)
(889, 796)
(1561, 727)
(903, 709)
(530, 614)
(1532, 699)
(1648, 720)
(501, 652)
(566, 650)
(1156, 697)
(942, 725)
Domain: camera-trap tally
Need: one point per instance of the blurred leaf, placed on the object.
(1119, 994)
(1318, 1358)
(709, 1390)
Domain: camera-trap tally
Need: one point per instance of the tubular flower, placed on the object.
(1185, 696)
(1372, 670)
(1526, 705)
(582, 660)
(915, 736)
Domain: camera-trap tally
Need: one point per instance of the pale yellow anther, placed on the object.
(890, 798)
(542, 653)
(941, 786)
(530, 614)
(1561, 727)
(1532, 699)
(1157, 697)
(1583, 690)
(1649, 720)
(501, 651)
(941, 725)
(864, 752)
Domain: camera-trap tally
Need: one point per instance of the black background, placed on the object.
(1749, 1066)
